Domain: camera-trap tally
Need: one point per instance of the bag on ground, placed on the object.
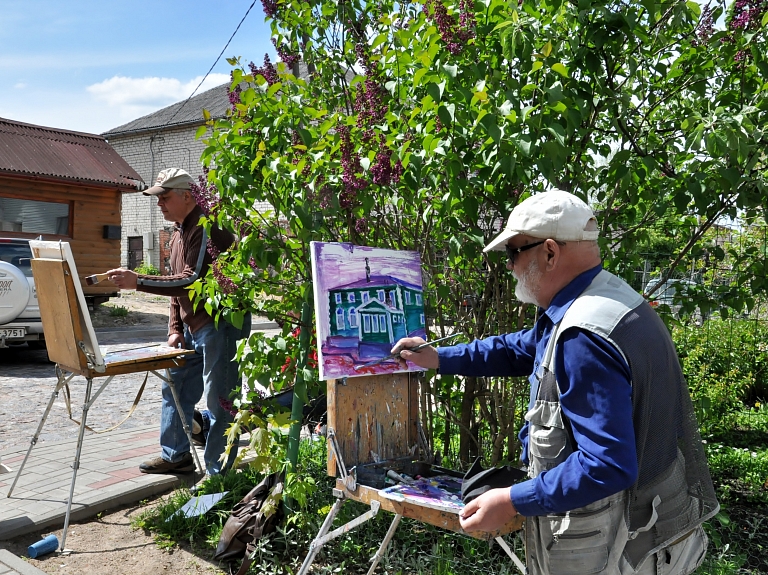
(248, 522)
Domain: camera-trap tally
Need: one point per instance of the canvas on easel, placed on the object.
(366, 299)
(55, 332)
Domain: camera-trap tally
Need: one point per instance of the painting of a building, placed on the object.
(366, 299)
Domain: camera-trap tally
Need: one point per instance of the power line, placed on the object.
(212, 66)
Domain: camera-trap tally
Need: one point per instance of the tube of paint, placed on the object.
(43, 547)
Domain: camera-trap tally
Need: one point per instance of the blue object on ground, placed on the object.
(43, 547)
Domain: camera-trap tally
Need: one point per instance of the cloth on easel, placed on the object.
(248, 522)
(478, 480)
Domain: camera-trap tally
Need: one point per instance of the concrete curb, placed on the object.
(10, 564)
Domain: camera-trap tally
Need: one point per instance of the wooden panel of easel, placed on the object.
(60, 313)
(373, 414)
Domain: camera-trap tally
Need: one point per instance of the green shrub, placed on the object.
(726, 365)
(118, 311)
(147, 270)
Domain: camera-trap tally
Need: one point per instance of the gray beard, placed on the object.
(524, 290)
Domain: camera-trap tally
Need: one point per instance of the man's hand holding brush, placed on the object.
(425, 357)
(121, 277)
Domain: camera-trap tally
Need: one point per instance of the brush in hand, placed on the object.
(96, 278)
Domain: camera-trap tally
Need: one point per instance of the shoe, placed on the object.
(198, 433)
(160, 465)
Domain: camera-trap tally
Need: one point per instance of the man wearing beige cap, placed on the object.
(618, 480)
(210, 371)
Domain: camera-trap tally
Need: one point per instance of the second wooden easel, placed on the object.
(370, 419)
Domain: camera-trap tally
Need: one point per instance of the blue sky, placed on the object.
(92, 65)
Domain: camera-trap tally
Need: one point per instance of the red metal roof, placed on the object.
(26, 149)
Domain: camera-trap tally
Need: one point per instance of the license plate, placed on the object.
(8, 333)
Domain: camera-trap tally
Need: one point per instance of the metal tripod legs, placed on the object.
(169, 380)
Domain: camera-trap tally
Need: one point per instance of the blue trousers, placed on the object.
(210, 372)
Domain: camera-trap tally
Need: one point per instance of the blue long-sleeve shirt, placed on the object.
(595, 395)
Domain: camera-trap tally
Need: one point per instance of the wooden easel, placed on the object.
(72, 346)
(377, 417)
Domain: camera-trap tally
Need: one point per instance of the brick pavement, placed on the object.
(108, 474)
(12, 565)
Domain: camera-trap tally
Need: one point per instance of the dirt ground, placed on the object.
(107, 545)
(141, 309)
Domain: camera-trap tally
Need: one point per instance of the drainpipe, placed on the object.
(151, 207)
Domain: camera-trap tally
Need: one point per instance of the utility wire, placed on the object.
(211, 68)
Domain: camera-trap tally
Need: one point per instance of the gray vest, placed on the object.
(673, 494)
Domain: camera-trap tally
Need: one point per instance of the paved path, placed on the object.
(12, 565)
(108, 474)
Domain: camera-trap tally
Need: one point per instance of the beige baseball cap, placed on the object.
(170, 178)
(555, 214)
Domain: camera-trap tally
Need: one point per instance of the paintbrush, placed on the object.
(95, 278)
(394, 355)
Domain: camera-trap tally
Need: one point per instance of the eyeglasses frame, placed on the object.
(512, 253)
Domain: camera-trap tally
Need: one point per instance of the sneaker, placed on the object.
(160, 465)
(198, 429)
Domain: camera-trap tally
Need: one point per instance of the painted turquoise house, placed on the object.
(373, 313)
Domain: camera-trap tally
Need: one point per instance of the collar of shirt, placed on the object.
(566, 296)
(191, 220)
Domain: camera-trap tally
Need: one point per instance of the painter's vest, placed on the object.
(653, 527)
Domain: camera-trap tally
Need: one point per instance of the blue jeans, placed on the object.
(210, 372)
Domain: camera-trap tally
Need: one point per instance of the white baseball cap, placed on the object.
(555, 215)
(169, 179)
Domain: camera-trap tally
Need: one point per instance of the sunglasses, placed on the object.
(512, 253)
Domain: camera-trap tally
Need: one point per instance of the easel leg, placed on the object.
(314, 547)
(59, 384)
(385, 543)
(515, 559)
(76, 466)
(169, 380)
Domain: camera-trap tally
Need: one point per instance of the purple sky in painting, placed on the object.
(338, 266)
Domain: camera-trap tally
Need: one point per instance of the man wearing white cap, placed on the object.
(210, 371)
(618, 480)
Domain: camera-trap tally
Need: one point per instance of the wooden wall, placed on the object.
(91, 208)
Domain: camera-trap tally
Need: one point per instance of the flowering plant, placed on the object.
(420, 125)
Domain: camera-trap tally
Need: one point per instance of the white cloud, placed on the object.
(20, 85)
(125, 92)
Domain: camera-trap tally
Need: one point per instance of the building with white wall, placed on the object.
(163, 139)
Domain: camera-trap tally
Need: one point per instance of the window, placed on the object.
(418, 299)
(374, 324)
(421, 319)
(383, 323)
(392, 299)
(338, 298)
(34, 217)
(352, 318)
(366, 323)
(18, 254)
(365, 296)
(351, 297)
(339, 319)
(380, 295)
(407, 298)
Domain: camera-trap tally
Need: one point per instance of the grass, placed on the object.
(118, 311)
(416, 548)
(738, 461)
(738, 536)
